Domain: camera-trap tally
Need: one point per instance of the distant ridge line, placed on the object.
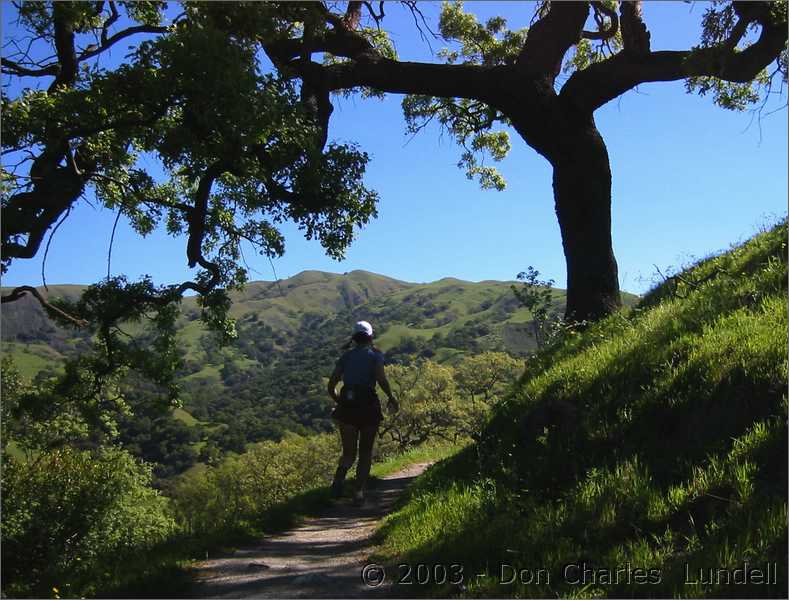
(328, 276)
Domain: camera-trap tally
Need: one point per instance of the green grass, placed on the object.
(185, 417)
(655, 439)
(430, 452)
(208, 372)
(395, 333)
(29, 359)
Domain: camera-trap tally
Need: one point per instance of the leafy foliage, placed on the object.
(71, 518)
(85, 400)
(442, 402)
(535, 295)
(239, 153)
(718, 27)
(469, 122)
(238, 493)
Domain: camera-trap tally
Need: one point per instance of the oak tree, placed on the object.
(493, 77)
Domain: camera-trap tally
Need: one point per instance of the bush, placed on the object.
(234, 496)
(441, 402)
(72, 518)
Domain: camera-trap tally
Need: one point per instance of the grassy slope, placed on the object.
(656, 438)
(30, 358)
(185, 417)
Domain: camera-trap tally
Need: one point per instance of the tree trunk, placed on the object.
(582, 192)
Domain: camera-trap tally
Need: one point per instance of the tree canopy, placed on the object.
(188, 132)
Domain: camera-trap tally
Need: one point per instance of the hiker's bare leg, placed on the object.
(366, 441)
(349, 436)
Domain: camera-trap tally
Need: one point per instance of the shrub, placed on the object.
(72, 518)
(235, 495)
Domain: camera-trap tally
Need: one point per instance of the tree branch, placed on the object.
(367, 67)
(551, 37)
(196, 219)
(46, 249)
(126, 189)
(392, 76)
(114, 16)
(353, 15)
(66, 69)
(12, 68)
(107, 43)
(112, 240)
(377, 17)
(737, 33)
(635, 36)
(605, 33)
(20, 291)
(32, 213)
(340, 42)
(64, 44)
(601, 82)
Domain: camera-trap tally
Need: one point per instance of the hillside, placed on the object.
(407, 316)
(449, 310)
(399, 310)
(271, 379)
(646, 456)
(35, 341)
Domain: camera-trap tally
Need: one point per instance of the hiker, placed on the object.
(358, 411)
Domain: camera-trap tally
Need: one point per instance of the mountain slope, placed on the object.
(280, 303)
(272, 378)
(397, 309)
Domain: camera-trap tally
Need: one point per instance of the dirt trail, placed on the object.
(323, 558)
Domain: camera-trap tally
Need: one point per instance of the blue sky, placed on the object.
(689, 179)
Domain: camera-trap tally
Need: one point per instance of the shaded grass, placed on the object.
(655, 439)
(427, 452)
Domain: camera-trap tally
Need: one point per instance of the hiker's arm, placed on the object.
(333, 381)
(380, 377)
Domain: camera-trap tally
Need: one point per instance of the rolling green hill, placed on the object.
(271, 379)
(399, 311)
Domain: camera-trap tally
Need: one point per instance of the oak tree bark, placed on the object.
(582, 193)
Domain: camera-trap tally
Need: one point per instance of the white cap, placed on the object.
(363, 327)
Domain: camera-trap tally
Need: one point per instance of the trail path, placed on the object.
(322, 558)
